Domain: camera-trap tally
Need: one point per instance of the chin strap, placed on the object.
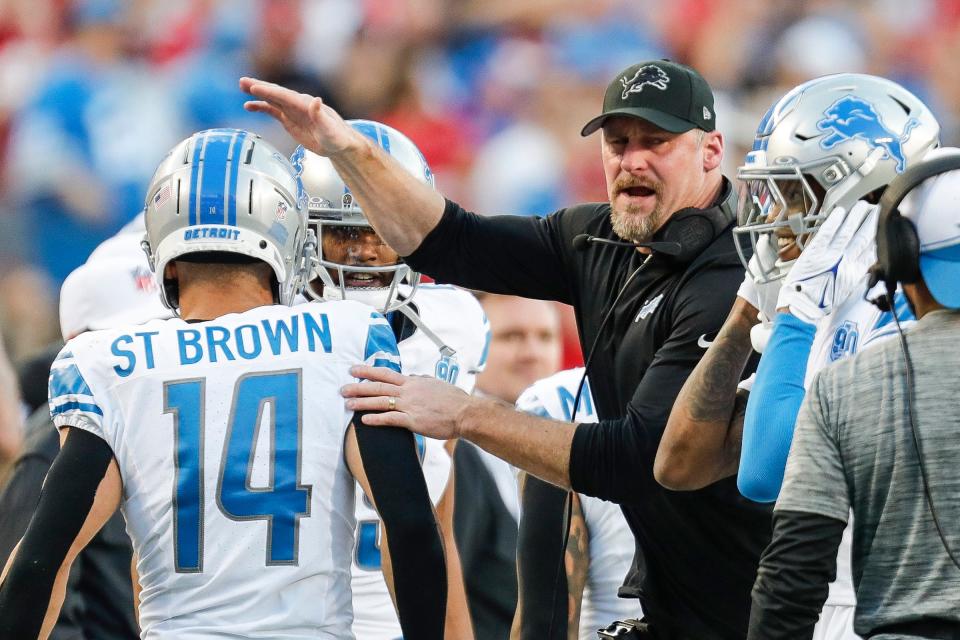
(445, 350)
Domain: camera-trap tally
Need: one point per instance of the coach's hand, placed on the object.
(422, 404)
(307, 119)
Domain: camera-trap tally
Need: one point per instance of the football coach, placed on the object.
(649, 274)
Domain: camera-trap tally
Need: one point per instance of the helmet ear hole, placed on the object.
(275, 287)
(171, 292)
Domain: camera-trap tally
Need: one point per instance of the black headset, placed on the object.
(898, 247)
(898, 260)
(684, 237)
(694, 230)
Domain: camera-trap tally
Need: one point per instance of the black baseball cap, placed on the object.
(668, 94)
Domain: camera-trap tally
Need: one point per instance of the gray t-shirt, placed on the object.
(853, 449)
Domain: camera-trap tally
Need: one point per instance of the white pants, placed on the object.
(836, 623)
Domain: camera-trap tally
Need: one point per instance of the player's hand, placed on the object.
(422, 404)
(307, 119)
(833, 265)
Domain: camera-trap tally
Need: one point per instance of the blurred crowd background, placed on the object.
(94, 92)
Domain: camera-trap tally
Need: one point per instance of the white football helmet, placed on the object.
(228, 191)
(827, 143)
(330, 204)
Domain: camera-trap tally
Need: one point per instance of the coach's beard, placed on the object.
(628, 223)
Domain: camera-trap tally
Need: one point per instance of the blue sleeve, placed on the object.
(773, 407)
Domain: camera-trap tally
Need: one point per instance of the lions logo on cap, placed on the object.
(649, 74)
(851, 118)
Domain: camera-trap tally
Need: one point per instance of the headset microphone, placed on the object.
(584, 240)
(884, 300)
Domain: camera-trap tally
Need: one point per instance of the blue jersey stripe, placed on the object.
(381, 341)
(80, 406)
(194, 175)
(389, 364)
(213, 178)
(68, 381)
(231, 187)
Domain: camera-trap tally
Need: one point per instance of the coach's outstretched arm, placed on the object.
(537, 445)
(402, 209)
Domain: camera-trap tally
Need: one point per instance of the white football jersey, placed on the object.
(854, 325)
(229, 438)
(457, 318)
(611, 544)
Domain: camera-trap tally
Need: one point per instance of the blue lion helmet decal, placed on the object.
(851, 118)
(297, 161)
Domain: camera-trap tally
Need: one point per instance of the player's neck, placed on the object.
(921, 300)
(206, 302)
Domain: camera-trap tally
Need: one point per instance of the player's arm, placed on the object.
(135, 581)
(701, 443)
(81, 492)
(605, 455)
(458, 624)
(808, 523)
(549, 597)
(385, 463)
(831, 268)
(577, 563)
(773, 407)
(794, 574)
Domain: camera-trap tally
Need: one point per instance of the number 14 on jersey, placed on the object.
(281, 504)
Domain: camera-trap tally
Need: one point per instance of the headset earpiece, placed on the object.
(903, 250)
(693, 229)
(898, 246)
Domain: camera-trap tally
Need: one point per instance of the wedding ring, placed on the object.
(392, 403)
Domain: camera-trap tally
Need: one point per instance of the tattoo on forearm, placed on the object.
(577, 560)
(711, 391)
